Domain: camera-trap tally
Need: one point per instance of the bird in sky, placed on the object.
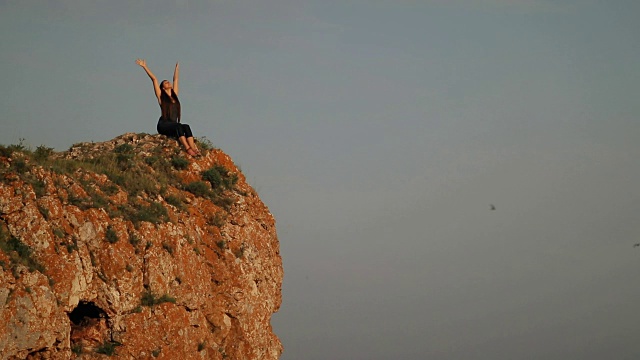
(636, 245)
(492, 207)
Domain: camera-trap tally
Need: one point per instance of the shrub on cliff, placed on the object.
(204, 143)
(5, 151)
(137, 211)
(179, 162)
(198, 188)
(148, 298)
(220, 178)
(111, 235)
(18, 252)
(108, 348)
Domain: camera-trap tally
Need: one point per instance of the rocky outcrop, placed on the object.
(131, 249)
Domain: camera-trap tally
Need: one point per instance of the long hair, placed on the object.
(165, 103)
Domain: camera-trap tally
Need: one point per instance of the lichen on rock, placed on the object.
(132, 249)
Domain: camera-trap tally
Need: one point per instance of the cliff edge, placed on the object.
(131, 249)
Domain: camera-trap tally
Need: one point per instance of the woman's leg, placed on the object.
(192, 144)
(182, 132)
(184, 142)
(186, 129)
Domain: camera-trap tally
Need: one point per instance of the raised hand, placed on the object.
(156, 86)
(176, 77)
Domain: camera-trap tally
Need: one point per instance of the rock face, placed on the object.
(131, 249)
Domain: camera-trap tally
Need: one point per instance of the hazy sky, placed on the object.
(379, 133)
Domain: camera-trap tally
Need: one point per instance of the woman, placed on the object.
(169, 123)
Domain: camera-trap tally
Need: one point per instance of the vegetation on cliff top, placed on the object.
(149, 177)
(145, 177)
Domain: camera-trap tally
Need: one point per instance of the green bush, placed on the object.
(108, 348)
(44, 211)
(204, 143)
(217, 220)
(111, 235)
(166, 298)
(134, 240)
(5, 151)
(124, 156)
(77, 348)
(109, 189)
(97, 201)
(224, 202)
(59, 233)
(179, 162)
(20, 165)
(137, 212)
(18, 252)
(19, 147)
(198, 188)
(76, 201)
(148, 298)
(42, 153)
(150, 160)
(72, 247)
(123, 149)
(154, 213)
(63, 166)
(213, 176)
(219, 177)
(175, 201)
(38, 187)
(134, 181)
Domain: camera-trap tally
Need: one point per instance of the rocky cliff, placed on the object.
(134, 250)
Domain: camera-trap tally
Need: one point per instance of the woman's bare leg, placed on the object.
(192, 144)
(183, 141)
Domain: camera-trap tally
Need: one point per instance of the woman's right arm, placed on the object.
(156, 86)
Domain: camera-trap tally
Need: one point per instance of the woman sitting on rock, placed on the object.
(169, 123)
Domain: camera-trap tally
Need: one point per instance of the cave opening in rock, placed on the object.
(84, 311)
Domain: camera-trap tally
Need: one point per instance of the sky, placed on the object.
(379, 133)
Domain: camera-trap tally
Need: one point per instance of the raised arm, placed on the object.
(176, 75)
(156, 86)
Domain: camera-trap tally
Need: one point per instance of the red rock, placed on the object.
(219, 270)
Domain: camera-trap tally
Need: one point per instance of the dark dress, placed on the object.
(172, 126)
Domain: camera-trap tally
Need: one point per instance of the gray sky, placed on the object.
(379, 133)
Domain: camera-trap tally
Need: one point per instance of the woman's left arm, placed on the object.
(176, 76)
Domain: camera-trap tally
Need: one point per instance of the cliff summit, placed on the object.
(131, 249)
